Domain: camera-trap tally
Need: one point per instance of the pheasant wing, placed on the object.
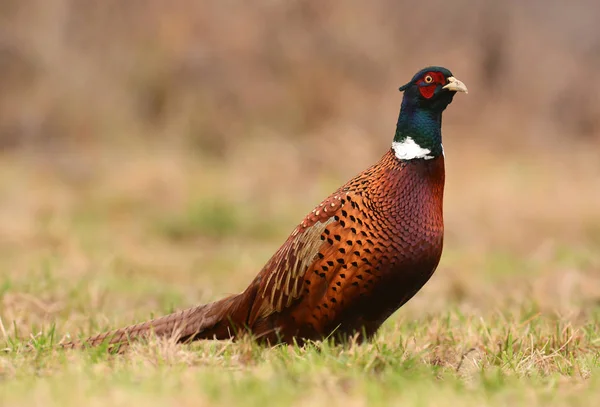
(282, 279)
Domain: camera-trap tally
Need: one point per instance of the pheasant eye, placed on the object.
(428, 79)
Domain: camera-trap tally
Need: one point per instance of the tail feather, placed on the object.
(218, 320)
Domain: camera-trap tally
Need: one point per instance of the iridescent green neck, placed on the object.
(422, 126)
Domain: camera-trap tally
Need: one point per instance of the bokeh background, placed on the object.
(154, 154)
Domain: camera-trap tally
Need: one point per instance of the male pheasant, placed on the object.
(355, 259)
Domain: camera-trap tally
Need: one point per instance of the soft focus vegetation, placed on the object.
(153, 155)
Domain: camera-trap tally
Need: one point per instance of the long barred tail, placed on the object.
(218, 320)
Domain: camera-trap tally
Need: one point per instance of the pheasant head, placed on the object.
(418, 132)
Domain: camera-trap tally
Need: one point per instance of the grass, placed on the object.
(511, 317)
(442, 360)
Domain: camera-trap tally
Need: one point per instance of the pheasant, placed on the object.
(355, 259)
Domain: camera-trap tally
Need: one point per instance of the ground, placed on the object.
(99, 238)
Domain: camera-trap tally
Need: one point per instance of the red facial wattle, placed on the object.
(428, 89)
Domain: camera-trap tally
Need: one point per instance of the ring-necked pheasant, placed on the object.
(356, 258)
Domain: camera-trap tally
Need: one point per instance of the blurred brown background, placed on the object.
(208, 73)
(169, 140)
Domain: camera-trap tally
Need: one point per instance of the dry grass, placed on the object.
(96, 241)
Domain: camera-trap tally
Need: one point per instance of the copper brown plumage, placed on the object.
(354, 260)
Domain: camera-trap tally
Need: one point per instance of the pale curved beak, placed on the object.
(455, 85)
